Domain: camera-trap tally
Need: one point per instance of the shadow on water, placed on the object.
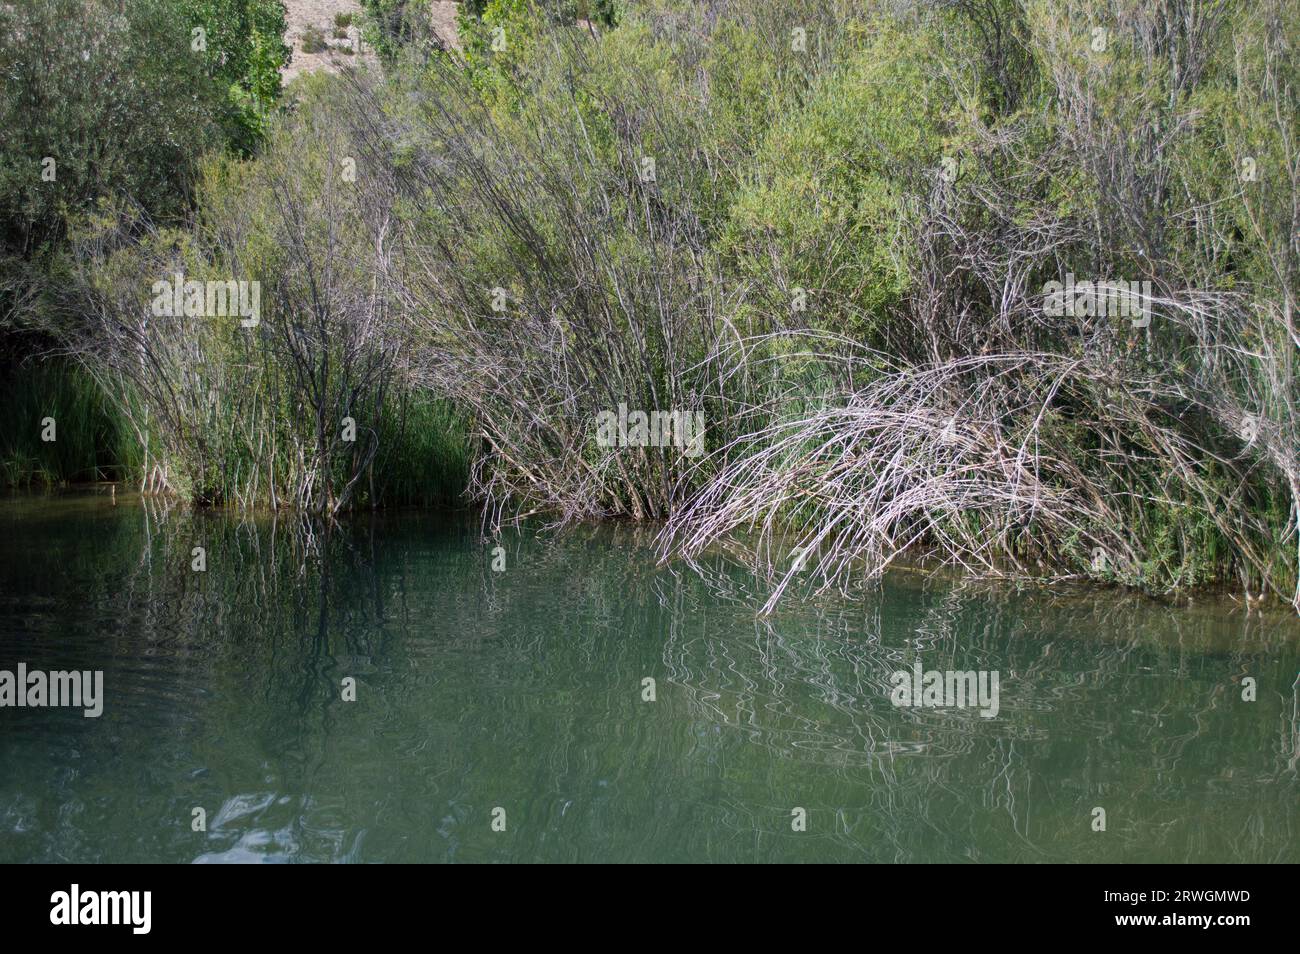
(524, 690)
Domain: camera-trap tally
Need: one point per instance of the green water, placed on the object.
(522, 690)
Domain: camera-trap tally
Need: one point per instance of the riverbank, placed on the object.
(873, 261)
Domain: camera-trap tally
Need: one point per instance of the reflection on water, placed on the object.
(522, 690)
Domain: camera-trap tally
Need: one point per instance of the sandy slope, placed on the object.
(302, 14)
(320, 14)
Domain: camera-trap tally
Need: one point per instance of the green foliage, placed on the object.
(245, 50)
(92, 442)
(117, 101)
(826, 200)
(305, 409)
(498, 41)
(392, 25)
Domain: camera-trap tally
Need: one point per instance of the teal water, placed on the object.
(522, 690)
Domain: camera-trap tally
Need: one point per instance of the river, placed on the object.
(382, 693)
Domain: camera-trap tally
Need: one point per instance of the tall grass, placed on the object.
(92, 440)
(310, 406)
(425, 460)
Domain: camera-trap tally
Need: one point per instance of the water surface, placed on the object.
(523, 690)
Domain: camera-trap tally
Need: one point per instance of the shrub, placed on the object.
(296, 410)
(118, 104)
(829, 198)
(313, 41)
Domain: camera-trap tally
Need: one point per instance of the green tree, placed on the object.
(244, 51)
(97, 102)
